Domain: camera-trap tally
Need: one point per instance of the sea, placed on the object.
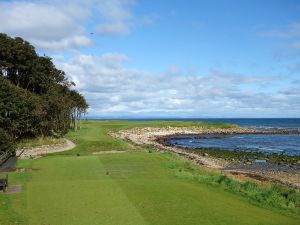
(277, 143)
(288, 144)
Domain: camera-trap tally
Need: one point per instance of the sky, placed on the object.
(171, 58)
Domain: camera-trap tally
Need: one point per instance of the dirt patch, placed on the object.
(25, 170)
(107, 152)
(36, 152)
(12, 189)
(250, 175)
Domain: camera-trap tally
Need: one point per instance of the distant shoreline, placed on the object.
(187, 118)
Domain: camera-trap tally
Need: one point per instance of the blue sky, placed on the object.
(134, 58)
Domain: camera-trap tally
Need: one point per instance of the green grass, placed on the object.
(93, 138)
(29, 143)
(276, 196)
(138, 187)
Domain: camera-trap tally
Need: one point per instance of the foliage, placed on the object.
(6, 141)
(36, 99)
(19, 110)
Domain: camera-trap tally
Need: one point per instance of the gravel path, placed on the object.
(36, 152)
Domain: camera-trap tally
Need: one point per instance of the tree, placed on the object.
(20, 110)
(6, 142)
(78, 107)
(17, 58)
(36, 98)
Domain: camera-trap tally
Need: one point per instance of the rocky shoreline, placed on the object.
(156, 137)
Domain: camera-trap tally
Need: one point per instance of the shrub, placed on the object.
(6, 142)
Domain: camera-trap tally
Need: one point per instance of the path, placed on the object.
(39, 151)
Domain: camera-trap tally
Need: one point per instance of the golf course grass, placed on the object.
(136, 187)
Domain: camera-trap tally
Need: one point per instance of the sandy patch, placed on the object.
(36, 152)
(107, 152)
(11, 189)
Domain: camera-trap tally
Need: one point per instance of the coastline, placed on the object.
(156, 137)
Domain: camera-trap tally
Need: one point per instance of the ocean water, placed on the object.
(278, 143)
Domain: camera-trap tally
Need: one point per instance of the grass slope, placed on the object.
(133, 188)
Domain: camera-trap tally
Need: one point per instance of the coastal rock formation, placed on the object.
(155, 136)
(150, 136)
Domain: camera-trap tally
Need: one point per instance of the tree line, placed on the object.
(36, 98)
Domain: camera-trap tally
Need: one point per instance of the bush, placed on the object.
(6, 142)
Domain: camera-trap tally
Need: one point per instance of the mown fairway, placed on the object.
(135, 187)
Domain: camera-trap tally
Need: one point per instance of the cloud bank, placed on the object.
(113, 89)
(59, 25)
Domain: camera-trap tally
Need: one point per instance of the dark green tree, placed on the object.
(36, 98)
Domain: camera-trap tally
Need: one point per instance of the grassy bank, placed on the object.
(31, 143)
(137, 187)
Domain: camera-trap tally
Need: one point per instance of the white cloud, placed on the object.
(46, 26)
(74, 42)
(60, 25)
(113, 59)
(116, 17)
(115, 10)
(291, 91)
(112, 88)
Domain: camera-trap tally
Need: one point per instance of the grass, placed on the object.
(276, 195)
(29, 143)
(138, 187)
